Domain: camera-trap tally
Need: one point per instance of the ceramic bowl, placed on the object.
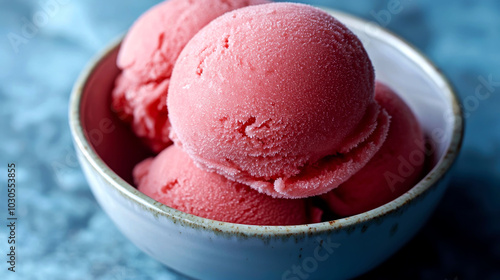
(208, 249)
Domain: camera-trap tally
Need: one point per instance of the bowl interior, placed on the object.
(111, 139)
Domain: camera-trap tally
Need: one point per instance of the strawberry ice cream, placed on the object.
(172, 179)
(278, 97)
(147, 56)
(394, 169)
(267, 105)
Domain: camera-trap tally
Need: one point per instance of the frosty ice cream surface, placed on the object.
(267, 105)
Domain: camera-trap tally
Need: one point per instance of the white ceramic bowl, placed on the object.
(208, 249)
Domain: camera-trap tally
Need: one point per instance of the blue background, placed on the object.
(63, 234)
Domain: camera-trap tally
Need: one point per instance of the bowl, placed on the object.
(208, 249)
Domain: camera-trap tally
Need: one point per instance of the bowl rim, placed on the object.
(157, 209)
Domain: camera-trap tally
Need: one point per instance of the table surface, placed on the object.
(63, 234)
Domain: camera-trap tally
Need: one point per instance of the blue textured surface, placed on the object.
(63, 234)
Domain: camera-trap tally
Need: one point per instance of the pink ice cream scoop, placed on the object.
(394, 169)
(174, 180)
(279, 97)
(147, 56)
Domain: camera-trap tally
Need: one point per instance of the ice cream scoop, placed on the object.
(147, 56)
(279, 97)
(394, 169)
(174, 180)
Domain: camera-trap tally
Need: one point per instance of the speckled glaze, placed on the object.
(207, 249)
